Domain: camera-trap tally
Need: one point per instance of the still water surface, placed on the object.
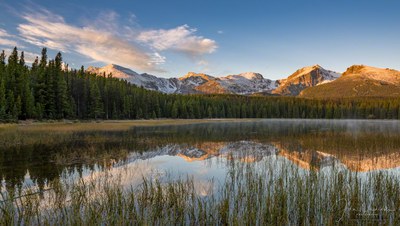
(202, 151)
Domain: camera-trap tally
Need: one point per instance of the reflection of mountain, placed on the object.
(363, 164)
(250, 151)
(245, 151)
(201, 151)
(308, 159)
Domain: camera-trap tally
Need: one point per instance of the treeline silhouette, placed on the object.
(50, 90)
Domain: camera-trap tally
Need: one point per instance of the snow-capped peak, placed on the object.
(326, 74)
(116, 71)
(251, 75)
(303, 78)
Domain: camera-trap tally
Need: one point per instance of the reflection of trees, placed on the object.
(48, 155)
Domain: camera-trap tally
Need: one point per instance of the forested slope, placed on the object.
(49, 90)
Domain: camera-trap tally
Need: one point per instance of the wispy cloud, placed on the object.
(50, 30)
(203, 65)
(180, 39)
(6, 39)
(105, 39)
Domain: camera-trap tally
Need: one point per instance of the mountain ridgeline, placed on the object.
(49, 90)
(192, 83)
(307, 82)
(248, 83)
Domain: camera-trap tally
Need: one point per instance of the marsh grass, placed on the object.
(275, 192)
(109, 125)
(54, 132)
(257, 193)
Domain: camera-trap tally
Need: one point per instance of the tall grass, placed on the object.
(272, 192)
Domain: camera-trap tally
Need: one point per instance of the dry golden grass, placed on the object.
(110, 125)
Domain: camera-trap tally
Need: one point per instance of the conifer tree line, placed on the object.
(49, 90)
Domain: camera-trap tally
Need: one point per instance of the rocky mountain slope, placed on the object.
(304, 78)
(359, 81)
(245, 83)
(151, 82)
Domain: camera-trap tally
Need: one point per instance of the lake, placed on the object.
(235, 172)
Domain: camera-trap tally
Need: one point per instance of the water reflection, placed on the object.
(199, 150)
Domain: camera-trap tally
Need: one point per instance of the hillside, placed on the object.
(359, 81)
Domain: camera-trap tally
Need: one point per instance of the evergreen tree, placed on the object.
(95, 103)
(43, 59)
(62, 102)
(3, 102)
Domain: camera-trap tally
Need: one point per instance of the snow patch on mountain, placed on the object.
(245, 83)
(144, 80)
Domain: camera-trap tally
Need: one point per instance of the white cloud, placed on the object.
(105, 39)
(181, 39)
(7, 42)
(49, 30)
(220, 32)
(4, 33)
(202, 63)
(5, 39)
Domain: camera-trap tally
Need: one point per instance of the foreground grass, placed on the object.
(273, 193)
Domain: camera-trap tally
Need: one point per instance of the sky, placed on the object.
(217, 37)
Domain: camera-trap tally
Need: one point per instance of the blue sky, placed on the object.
(170, 38)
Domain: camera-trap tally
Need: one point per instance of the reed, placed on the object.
(272, 192)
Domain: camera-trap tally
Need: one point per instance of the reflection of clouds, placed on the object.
(204, 187)
(203, 171)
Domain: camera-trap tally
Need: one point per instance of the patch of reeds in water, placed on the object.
(273, 192)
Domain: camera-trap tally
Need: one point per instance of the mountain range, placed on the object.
(308, 82)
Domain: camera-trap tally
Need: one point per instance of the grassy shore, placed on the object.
(110, 125)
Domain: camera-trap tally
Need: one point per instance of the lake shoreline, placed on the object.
(126, 124)
(72, 125)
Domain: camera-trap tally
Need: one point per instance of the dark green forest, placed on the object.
(49, 90)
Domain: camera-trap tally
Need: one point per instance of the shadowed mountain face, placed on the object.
(359, 81)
